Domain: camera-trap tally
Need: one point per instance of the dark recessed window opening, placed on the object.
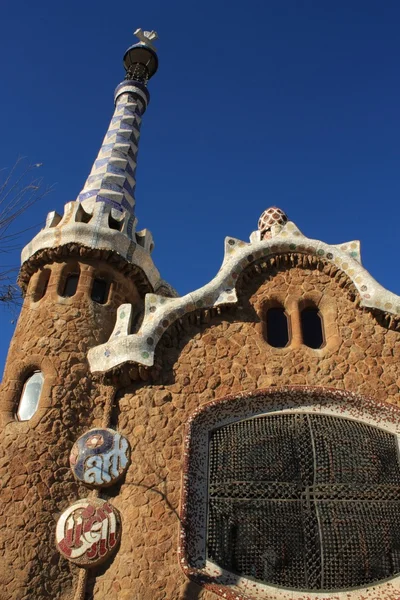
(277, 327)
(312, 327)
(71, 285)
(115, 223)
(41, 285)
(305, 501)
(100, 291)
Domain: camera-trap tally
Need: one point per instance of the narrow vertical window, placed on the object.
(100, 291)
(312, 327)
(277, 327)
(29, 402)
(41, 285)
(71, 285)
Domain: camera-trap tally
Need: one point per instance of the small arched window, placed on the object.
(100, 291)
(277, 327)
(312, 327)
(71, 285)
(30, 396)
(41, 285)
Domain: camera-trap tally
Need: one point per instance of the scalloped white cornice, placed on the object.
(161, 312)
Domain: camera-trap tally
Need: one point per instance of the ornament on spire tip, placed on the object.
(140, 60)
(146, 37)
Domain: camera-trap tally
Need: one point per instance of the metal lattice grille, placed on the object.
(305, 501)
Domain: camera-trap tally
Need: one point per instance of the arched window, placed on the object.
(100, 291)
(312, 327)
(30, 396)
(71, 285)
(41, 285)
(277, 327)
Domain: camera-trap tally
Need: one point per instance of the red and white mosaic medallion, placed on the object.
(88, 532)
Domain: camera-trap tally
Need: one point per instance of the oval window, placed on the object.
(29, 402)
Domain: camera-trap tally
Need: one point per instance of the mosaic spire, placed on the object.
(112, 179)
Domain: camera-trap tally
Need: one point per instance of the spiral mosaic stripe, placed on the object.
(112, 179)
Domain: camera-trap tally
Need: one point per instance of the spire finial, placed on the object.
(146, 37)
(140, 60)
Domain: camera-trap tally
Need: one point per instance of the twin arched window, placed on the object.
(277, 327)
(99, 292)
(30, 396)
(312, 327)
(278, 331)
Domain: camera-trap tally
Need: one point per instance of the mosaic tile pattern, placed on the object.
(271, 222)
(100, 457)
(113, 176)
(92, 229)
(103, 216)
(88, 532)
(221, 412)
(161, 312)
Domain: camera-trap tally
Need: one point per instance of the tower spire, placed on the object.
(102, 218)
(112, 179)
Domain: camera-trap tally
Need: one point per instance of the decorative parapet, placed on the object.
(99, 228)
(161, 312)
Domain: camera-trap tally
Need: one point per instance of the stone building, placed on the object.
(240, 442)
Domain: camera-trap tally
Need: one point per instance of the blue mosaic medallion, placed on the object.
(100, 457)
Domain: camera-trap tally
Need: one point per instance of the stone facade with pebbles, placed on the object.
(112, 458)
(207, 357)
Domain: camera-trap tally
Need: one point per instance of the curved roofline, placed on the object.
(161, 312)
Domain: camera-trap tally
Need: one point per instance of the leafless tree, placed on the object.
(20, 188)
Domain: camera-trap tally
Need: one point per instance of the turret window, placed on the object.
(42, 283)
(277, 327)
(100, 291)
(29, 402)
(71, 285)
(312, 327)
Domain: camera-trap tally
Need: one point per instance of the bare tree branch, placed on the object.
(20, 188)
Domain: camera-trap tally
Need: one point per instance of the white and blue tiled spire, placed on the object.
(112, 179)
(103, 216)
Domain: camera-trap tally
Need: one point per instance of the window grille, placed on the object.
(305, 501)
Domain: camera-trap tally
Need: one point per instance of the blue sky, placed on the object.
(256, 103)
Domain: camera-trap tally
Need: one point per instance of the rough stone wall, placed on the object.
(207, 357)
(204, 361)
(53, 334)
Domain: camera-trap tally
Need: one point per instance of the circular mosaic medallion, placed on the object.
(100, 457)
(88, 532)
